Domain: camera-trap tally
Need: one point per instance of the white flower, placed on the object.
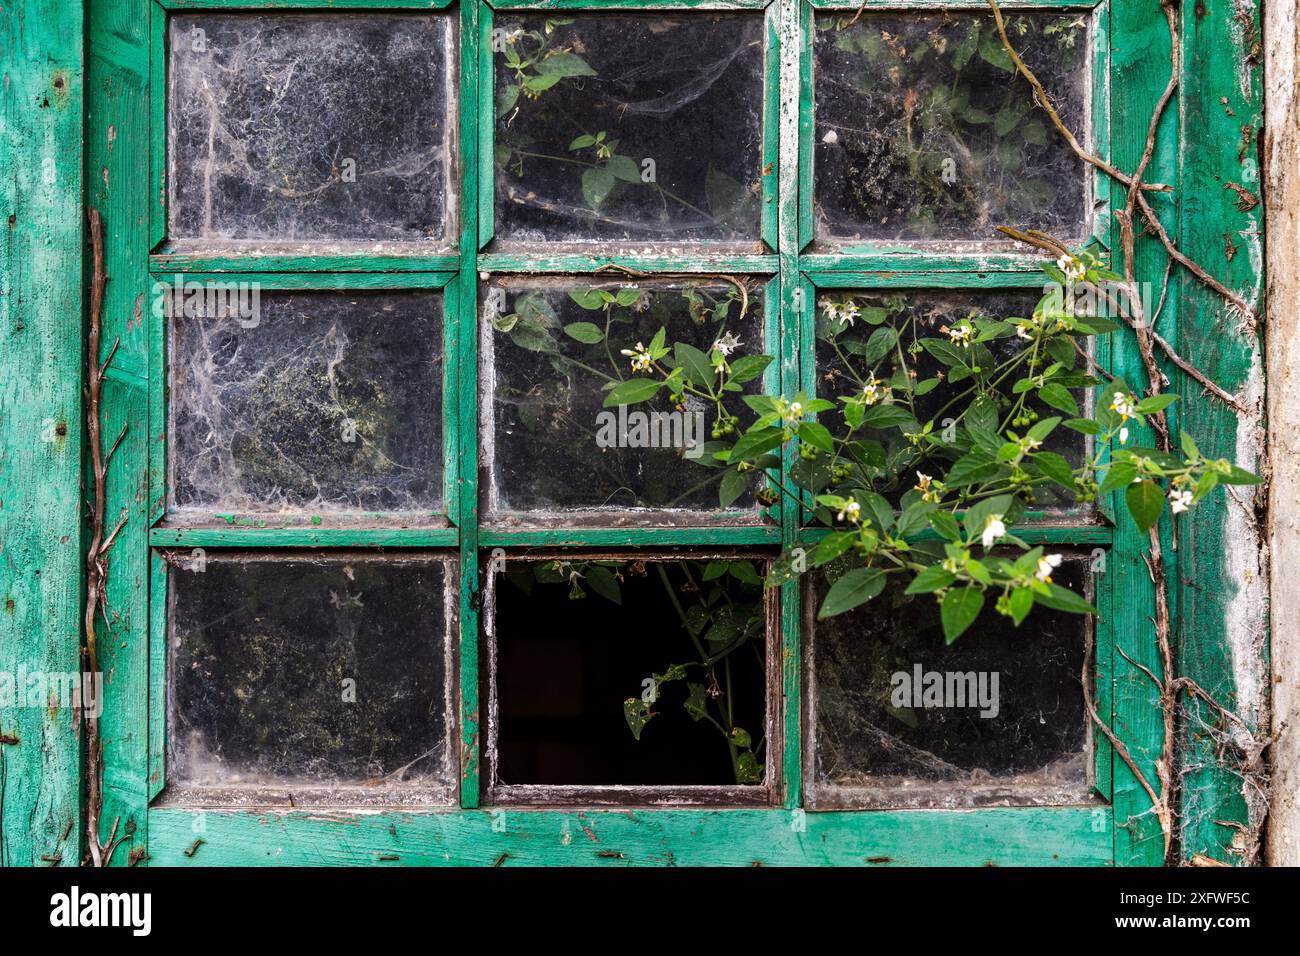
(640, 358)
(930, 489)
(1074, 269)
(1123, 405)
(727, 344)
(832, 310)
(849, 312)
(1179, 501)
(1046, 565)
(1123, 435)
(875, 391)
(993, 530)
(1024, 330)
(794, 412)
(851, 511)
(961, 334)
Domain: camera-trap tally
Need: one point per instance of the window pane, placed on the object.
(617, 127)
(875, 344)
(925, 131)
(597, 679)
(300, 128)
(902, 720)
(316, 679)
(320, 402)
(550, 447)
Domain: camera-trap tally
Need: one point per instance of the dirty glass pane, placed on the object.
(899, 719)
(310, 678)
(628, 127)
(320, 402)
(597, 679)
(877, 344)
(924, 130)
(309, 128)
(551, 450)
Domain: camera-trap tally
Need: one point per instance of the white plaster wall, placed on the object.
(1282, 199)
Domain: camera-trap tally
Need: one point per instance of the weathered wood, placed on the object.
(1223, 584)
(117, 148)
(41, 352)
(1061, 836)
(1140, 52)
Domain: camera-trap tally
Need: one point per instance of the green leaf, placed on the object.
(743, 571)
(887, 416)
(1063, 599)
(933, 578)
(1084, 425)
(740, 737)
(625, 168)
(748, 769)
(584, 332)
(507, 96)
(958, 611)
(632, 391)
(992, 53)
(1188, 446)
(697, 703)
(975, 467)
(695, 364)
(733, 485)
(1155, 403)
(754, 443)
(1055, 467)
(945, 352)
(1021, 602)
(749, 367)
(1057, 396)
(603, 581)
(590, 299)
(856, 587)
(818, 436)
(946, 525)
(596, 186)
(1239, 476)
(1120, 474)
(832, 546)
(1145, 502)
(729, 201)
(881, 341)
(542, 82)
(582, 142)
(564, 64)
(637, 713)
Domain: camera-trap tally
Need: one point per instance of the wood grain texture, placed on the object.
(1139, 69)
(1064, 836)
(1223, 596)
(41, 349)
(117, 150)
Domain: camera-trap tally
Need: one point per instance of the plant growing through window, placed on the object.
(630, 127)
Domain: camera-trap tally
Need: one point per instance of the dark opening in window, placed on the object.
(646, 672)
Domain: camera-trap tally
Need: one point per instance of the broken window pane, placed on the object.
(887, 348)
(924, 130)
(551, 347)
(302, 128)
(311, 678)
(899, 719)
(628, 127)
(320, 402)
(599, 672)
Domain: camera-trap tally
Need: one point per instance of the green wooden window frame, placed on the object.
(783, 832)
